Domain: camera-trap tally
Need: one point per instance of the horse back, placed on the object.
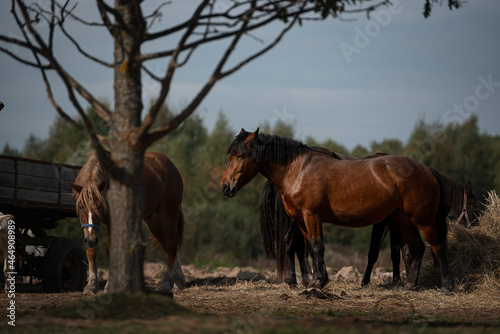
(359, 191)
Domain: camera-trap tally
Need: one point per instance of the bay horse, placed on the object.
(280, 232)
(162, 212)
(355, 193)
(460, 202)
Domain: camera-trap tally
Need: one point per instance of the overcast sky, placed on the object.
(351, 81)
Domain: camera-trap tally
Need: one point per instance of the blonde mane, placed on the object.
(89, 178)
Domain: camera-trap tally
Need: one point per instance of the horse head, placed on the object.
(241, 166)
(92, 208)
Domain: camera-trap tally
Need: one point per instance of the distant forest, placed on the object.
(222, 231)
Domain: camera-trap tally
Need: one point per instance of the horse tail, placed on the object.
(180, 229)
(284, 236)
(267, 218)
(447, 191)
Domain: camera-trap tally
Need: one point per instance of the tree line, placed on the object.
(222, 231)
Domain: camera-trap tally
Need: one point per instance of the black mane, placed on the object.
(452, 192)
(268, 147)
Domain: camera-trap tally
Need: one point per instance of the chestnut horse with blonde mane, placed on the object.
(162, 212)
(354, 193)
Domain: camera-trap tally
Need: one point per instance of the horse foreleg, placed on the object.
(300, 249)
(107, 254)
(313, 232)
(93, 280)
(305, 268)
(3, 251)
(291, 247)
(379, 231)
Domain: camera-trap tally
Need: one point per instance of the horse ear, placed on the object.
(102, 185)
(252, 136)
(76, 187)
(242, 131)
(468, 187)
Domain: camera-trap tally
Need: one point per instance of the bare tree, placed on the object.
(131, 30)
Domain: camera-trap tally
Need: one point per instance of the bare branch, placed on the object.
(71, 84)
(153, 112)
(261, 52)
(81, 50)
(24, 61)
(216, 75)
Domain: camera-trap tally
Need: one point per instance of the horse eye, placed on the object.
(240, 156)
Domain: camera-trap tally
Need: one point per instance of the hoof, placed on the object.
(293, 286)
(89, 291)
(316, 284)
(410, 287)
(169, 294)
(396, 281)
(447, 288)
(181, 284)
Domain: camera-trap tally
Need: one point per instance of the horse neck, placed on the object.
(279, 173)
(274, 173)
(455, 195)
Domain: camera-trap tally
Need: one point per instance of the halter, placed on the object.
(464, 212)
(89, 225)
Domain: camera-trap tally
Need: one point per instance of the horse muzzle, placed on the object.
(227, 190)
(91, 242)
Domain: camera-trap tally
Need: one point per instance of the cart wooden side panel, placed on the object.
(36, 188)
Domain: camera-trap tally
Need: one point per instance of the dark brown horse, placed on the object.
(162, 212)
(316, 188)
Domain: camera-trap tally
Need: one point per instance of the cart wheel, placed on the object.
(65, 268)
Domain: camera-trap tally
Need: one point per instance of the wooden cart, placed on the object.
(37, 193)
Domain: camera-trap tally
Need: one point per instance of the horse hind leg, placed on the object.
(179, 278)
(416, 248)
(173, 275)
(397, 243)
(379, 231)
(438, 246)
(164, 227)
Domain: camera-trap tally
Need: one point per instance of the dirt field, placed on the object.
(245, 300)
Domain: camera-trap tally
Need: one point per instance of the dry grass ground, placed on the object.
(474, 253)
(236, 300)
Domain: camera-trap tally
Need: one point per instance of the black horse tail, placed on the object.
(267, 218)
(180, 229)
(448, 190)
(285, 238)
(274, 225)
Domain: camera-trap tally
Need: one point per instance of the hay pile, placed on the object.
(473, 254)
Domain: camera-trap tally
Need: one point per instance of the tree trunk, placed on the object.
(126, 190)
